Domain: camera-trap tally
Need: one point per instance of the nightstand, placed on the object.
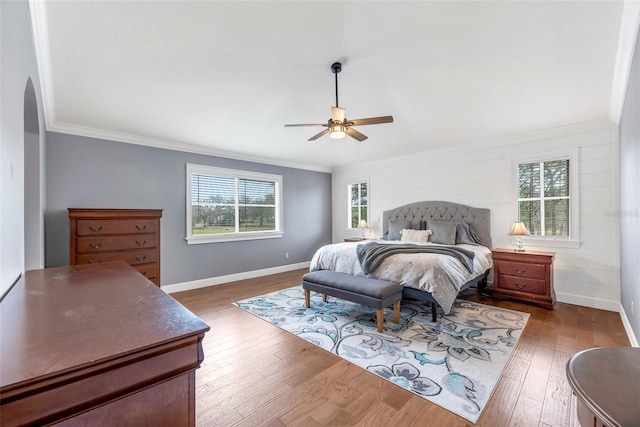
(354, 239)
(526, 276)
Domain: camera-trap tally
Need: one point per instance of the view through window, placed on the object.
(358, 203)
(543, 197)
(227, 202)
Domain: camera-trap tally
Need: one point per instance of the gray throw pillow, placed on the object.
(416, 224)
(394, 230)
(443, 232)
(465, 233)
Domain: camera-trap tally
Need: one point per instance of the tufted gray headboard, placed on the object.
(442, 211)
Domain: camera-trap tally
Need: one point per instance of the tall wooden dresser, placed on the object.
(130, 235)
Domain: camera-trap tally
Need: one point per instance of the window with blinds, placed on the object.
(227, 204)
(544, 197)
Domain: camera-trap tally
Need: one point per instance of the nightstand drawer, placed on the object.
(522, 284)
(532, 271)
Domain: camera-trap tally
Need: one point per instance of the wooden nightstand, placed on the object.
(527, 276)
(354, 239)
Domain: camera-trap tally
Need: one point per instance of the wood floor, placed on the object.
(255, 374)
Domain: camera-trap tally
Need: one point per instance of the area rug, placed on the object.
(454, 363)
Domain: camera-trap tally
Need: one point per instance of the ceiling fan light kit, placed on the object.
(338, 126)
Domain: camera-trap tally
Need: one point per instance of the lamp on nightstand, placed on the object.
(519, 229)
(362, 225)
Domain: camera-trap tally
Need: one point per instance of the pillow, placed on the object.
(394, 230)
(416, 224)
(443, 232)
(465, 233)
(418, 236)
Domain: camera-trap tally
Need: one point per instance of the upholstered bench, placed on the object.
(359, 289)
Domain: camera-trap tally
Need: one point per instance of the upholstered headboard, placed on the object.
(441, 211)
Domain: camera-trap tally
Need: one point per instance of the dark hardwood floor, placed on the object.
(255, 374)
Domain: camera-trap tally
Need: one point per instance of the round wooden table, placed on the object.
(606, 381)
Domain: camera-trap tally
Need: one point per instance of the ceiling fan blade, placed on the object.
(314, 137)
(307, 124)
(355, 134)
(372, 121)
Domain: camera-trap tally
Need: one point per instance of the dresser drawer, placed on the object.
(114, 243)
(150, 271)
(131, 257)
(523, 284)
(91, 227)
(532, 271)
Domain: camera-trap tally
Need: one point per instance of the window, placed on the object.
(228, 204)
(544, 197)
(358, 197)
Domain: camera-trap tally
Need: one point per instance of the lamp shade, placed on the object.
(362, 224)
(519, 229)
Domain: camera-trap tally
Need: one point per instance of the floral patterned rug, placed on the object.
(455, 363)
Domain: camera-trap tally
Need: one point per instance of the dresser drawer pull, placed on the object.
(95, 230)
(99, 261)
(141, 259)
(517, 270)
(144, 227)
(144, 273)
(520, 286)
(139, 243)
(92, 246)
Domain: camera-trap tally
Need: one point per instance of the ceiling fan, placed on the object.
(338, 126)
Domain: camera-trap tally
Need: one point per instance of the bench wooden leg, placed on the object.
(396, 311)
(380, 318)
(324, 297)
(307, 298)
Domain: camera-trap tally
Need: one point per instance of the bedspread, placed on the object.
(441, 275)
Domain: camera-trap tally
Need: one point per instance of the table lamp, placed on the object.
(519, 229)
(362, 225)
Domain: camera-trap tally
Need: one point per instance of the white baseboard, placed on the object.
(599, 303)
(627, 327)
(211, 281)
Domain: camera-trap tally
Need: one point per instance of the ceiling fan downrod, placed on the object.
(336, 67)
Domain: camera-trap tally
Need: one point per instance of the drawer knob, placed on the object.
(520, 286)
(99, 261)
(139, 243)
(96, 246)
(141, 259)
(517, 270)
(144, 227)
(95, 230)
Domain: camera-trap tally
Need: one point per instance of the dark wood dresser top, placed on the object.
(607, 381)
(60, 320)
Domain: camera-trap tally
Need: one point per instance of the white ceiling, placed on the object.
(223, 77)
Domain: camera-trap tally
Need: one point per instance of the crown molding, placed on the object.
(603, 124)
(176, 146)
(40, 31)
(629, 27)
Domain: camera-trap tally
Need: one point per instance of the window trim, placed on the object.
(235, 236)
(352, 182)
(573, 241)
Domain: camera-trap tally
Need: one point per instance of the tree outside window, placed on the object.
(358, 198)
(543, 197)
(226, 204)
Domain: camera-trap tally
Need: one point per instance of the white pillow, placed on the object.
(418, 236)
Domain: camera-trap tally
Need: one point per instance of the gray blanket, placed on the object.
(372, 254)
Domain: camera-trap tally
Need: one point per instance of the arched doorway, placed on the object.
(33, 222)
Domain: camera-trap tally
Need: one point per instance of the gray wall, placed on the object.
(87, 172)
(18, 66)
(630, 196)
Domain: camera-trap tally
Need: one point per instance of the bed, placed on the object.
(434, 278)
